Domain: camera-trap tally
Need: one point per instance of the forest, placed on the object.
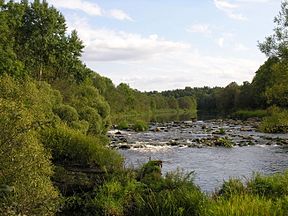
(55, 113)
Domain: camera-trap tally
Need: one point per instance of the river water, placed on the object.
(265, 153)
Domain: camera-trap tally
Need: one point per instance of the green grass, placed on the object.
(276, 123)
(246, 114)
(70, 146)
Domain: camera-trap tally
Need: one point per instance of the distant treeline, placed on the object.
(269, 87)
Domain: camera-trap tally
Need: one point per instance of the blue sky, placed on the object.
(160, 45)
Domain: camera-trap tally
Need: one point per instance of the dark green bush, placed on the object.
(231, 188)
(67, 113)
(274, 186)
(91, 115)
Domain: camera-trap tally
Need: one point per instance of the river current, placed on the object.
(266, 153)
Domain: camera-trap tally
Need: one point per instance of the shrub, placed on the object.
(231, 188)
(70, 146)
(26, 188)
(123, 125)
(67, 113)
(81, 126)
(276, 123)
(274, 186)
(91, 115)
(245, 114)
(140, 126)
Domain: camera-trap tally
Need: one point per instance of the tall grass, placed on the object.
(277, 122)
(70, 146)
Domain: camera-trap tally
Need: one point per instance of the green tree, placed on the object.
(25, 171)
(276, 45)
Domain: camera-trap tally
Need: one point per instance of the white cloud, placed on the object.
(223, 5)
(154, 63)
(91, 9)
(220, 42)
(110, 45)
(199, 28)
(119, 14)
(229, 9)
(84, 6)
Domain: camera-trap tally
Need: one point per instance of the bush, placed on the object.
(117, 197)
(70, 146)
(231, 188)
(246, 114)
(91, 115)
(67, 113)
(25, 171)
(140, 126)
(81, 126)
(274, 186)
(123, 125)
(276, 123)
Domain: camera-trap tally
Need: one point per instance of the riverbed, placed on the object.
(189, 146)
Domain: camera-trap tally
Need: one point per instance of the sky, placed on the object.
(169, 44)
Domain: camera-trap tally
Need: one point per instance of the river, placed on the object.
(181, 145)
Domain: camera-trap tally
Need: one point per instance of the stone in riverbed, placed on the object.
(124, 147)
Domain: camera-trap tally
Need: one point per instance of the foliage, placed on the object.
(70, 146)
(246, 114)
(277, 122)
(276, 44)
(67, 113)
(224, 142)
(25, 164)
(245, 205)
(140, 126)
(274, 186)
(231, 188)
(123, 125)
(175, 194)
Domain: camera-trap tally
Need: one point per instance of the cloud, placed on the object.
(155, 63)
(84, 6)
(229, 9)
(220, 42)
(111, 45)
(91, 9)
(119, 14)
(223, 5)
(199, 28)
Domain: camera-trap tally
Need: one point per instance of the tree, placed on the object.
(25, 164)
(41, 34)
(276, 45)
(9, 63)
